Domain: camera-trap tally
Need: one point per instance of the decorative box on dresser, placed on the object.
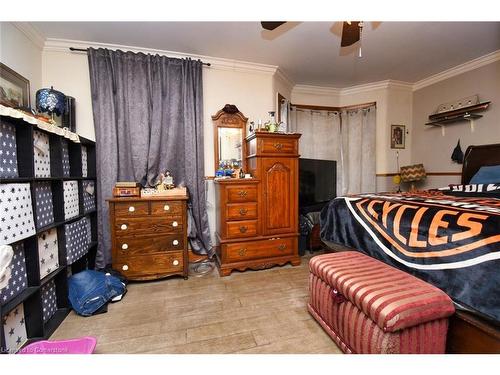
(149, 236)
(257, 218)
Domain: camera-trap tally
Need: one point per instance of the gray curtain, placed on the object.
(148, 117)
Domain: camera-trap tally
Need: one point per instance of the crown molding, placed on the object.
(380, 85)
(31, 33)
(62, 45)
(333, 91)
(400, 85)
(459, 69)
(316, 90)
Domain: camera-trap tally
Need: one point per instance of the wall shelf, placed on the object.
(462, 114)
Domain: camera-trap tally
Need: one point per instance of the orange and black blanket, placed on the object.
(450, 239)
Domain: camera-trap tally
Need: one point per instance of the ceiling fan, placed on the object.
(351, 30)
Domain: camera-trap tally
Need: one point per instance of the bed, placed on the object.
(449, 238)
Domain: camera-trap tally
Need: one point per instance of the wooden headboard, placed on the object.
(478, 156)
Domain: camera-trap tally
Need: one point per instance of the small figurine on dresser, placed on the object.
(164, 187)
(165, 181)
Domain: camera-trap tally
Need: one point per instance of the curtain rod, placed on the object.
(86, 50)
(334, 109)
(359, 106)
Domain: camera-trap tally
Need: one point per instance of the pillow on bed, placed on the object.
(486, 175)
(473, 190)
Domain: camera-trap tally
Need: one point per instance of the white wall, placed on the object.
(69, 73)
(20, 54)
(252, 93)
(434, 149)
(315, 96)
(281, 85)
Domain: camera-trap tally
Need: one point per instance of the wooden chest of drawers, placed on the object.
(149, 237)
(257, 219)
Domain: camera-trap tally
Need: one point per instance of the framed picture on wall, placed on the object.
(398, 135)
(14, 88)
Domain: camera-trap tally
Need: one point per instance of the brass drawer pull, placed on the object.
(166, 208)
(123, 227)
(125, 246)
(243, 229)
(175, 242)
(125, 267)
(243, 211)
(175, 223)
(131, 209)
(278, 146)
(242, 252)
(175, 262)
(282, 247)
(242, 193)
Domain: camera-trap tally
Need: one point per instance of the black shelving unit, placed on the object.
(31, 297)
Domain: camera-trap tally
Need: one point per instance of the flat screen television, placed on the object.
(317, 181)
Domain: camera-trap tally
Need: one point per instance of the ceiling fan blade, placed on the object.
(350, 33)
(271, 25)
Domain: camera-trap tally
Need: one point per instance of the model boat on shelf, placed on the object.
(455, 114)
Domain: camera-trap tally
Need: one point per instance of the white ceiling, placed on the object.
(308, 52)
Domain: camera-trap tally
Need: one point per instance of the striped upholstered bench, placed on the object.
(367, 306)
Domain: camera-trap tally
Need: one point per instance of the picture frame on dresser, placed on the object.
(43, 300)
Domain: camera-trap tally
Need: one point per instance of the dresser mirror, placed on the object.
(229, 134)
(230, 143)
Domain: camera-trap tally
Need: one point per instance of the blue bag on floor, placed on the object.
(90, 290)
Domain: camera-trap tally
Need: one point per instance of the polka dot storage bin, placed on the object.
(18, 278)
(42, 154)
(71, 204)
(77, 240)
(8, 151)
(17, 213)
(43, 204)
(49, 300)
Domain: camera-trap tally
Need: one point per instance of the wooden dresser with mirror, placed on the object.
(256, 218)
